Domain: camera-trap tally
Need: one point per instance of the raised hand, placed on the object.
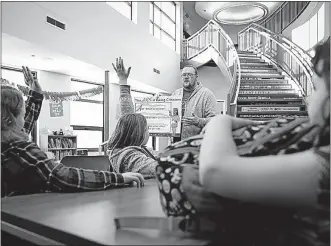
(121, 72)
(30, 80)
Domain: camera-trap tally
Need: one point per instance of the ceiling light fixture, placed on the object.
(241, 13)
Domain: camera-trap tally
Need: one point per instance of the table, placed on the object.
(87, 218)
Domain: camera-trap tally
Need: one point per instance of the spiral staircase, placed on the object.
(269, 75)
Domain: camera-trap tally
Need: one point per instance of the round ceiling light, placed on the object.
(240, 13)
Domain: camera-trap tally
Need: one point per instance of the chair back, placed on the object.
(98, 162)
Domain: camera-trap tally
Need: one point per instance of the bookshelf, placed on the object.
(62, 145)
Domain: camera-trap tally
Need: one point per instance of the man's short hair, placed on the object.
(195, 69)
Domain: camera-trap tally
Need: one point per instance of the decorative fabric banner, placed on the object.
(65, 96)
(59, 96)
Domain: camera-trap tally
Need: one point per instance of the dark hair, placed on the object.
(195, 69)
(130, 131)
(322, 53)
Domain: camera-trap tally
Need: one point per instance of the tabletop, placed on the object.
(88, 217)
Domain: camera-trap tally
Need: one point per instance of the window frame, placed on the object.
(104, 108)
(163, 31)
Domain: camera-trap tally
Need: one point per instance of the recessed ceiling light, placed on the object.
(33, 55)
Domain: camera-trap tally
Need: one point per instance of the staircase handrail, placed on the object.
(209, 41)
(301, 57)
(301, 52)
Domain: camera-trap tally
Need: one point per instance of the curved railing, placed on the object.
(212, 35)
(293, 60)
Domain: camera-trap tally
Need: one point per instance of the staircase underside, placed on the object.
(264, 92)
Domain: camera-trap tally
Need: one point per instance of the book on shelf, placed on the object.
(62, 145)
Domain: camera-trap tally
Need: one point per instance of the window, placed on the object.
(87, 117)
(162, 17)
(320, 21)
(311, 32)
(143, 94)
(125, 8)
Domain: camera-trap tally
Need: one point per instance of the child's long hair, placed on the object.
(130, 131)
(11, 106)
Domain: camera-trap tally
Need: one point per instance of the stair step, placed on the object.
(250, 114)
(266, 87)
(288, 93)
(268, 103)
(262, 75)
(266, 68)
(269, 98)
(248, 56)
(257, 70)
(245, 81)
(244, 52)
(254, 64)
(270, 108)
(251, 60)
(259, 117)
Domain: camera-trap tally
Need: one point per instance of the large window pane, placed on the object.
(151, 28)
(313, 31)
(170, 9)
(168, 40)
(321, 20)
(157, 16)
(86, 114)
(157, 32)
(16, 77)
(123, 7)
(78, 86)
(168, 25)
(88, 139)
(151, 11)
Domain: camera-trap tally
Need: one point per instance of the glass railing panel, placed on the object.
(285, 54)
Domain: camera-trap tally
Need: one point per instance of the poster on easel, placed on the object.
(163, 114)
(56, 109)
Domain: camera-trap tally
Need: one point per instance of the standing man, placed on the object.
(198, 103)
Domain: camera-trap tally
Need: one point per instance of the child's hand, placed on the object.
(31, 80)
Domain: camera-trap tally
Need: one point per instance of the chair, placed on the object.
(98, 162)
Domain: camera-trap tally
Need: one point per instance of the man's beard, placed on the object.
(190, 87)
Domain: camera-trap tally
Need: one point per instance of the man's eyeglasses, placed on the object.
(188, 75)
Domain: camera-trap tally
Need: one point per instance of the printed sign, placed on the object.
(163, 114)
(261, 109)
(265, 98)
(266, 92)
(266, 87)
(56, 109)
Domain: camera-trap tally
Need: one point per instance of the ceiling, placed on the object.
(235, 13)
(17, 53)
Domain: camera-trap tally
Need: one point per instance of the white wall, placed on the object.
(233, 30)
(55, 82)
(96, 34)
(213, 79)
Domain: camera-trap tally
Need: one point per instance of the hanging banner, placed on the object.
(163, 114)
(56, 109)
(58, 96)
